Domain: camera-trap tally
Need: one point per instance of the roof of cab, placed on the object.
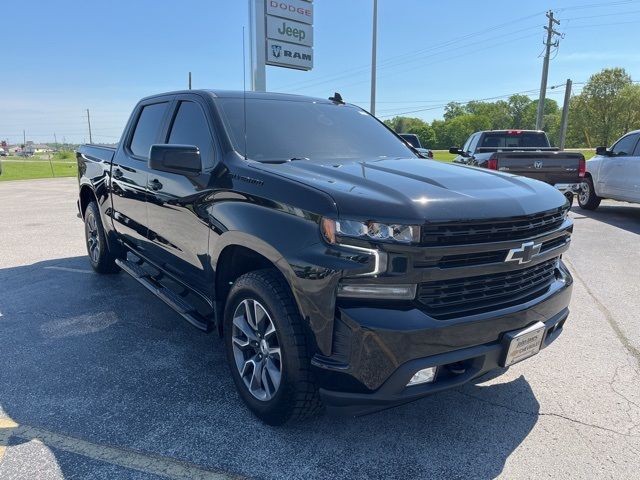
(241, 94)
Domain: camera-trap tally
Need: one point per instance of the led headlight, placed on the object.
(371, 231)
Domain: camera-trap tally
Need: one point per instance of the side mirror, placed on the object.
(602, 151)
(455, 151)
(180, 159)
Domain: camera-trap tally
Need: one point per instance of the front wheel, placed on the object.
(266, 349)
(587, 197)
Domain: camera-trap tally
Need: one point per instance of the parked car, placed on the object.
(341, 270)
(413, 140)
(613, 173)
(3, 152)
(524, 152)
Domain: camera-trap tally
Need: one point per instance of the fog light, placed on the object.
(381, 291)
(426, 375)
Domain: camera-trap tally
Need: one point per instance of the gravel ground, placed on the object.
(99, 379)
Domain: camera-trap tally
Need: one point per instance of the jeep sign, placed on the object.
(289, 31)
(299, 10)
(283, 54)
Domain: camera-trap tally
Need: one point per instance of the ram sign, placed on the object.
(289, 33)
(285, 54)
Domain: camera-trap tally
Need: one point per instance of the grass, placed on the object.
(445, 156)
(20, 168)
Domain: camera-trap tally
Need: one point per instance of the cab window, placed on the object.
(626, 145)
(190, 127)
(147, 129)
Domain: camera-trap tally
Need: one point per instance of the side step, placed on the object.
(168, 296)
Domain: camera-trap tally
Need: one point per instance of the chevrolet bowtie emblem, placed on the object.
(523, 254)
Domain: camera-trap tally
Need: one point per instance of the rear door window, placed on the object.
(190, 127)
(147, 129)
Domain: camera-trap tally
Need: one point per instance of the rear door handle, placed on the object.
(155, 184)
(117, 174)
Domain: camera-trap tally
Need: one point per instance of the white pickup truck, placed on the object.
(613, 173)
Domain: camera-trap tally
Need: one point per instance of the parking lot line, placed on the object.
(152, 464)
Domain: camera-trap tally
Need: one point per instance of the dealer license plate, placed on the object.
(524, 343)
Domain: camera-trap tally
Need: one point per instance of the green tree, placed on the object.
(603, 112)
(497, 112)
(517, 106)
(453, 110)
(461, 127)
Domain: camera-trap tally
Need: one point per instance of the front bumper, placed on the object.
(373, 362)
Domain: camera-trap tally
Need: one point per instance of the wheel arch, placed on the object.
(237, 253)
(86, 196)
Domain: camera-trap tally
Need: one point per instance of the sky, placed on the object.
(60, 58)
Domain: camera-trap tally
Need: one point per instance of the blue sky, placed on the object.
(59, 58)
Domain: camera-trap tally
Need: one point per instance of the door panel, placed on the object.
(128, 196)
(612, 179)
(129, 174)
(177, 204)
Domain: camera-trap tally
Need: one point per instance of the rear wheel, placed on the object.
(587, 197)
(102, 258)
(266, 349)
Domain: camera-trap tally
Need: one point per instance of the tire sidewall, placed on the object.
(279, 404)
(589, 202)
(91, 212)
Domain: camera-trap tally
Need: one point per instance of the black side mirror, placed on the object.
(180, 159)
(603, 151)
(455, 151)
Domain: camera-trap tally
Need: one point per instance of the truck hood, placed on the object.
(410, 190)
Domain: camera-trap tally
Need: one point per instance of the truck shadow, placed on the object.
(621, 215)
(100, 359)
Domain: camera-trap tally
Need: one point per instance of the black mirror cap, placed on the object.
(602, 151)
(180, 159)
(455, 150)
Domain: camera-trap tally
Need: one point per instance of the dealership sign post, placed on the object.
(282, 36)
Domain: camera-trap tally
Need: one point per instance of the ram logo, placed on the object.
(537, 164)
(276, 50)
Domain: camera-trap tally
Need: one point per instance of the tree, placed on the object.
(453, 110)
(603, 112)
(517, 106)
(497, 112)
(461, 127)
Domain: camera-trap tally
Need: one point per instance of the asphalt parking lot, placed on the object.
(99, 379)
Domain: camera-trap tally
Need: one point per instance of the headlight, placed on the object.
(371, 231)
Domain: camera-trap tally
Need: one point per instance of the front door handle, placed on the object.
(155, 184)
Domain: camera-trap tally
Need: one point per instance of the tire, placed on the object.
(101, 257)
(285, 390)
(587, 197)
(569, 196)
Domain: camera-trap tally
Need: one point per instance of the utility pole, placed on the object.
(55, 141)
(565, 114)
(545, 66)
(373, 57)
(89, 123)
(24, 140)
(189, 80)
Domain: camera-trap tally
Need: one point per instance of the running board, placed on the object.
(175, 301)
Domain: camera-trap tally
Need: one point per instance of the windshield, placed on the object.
(286, 129)
(514, 139)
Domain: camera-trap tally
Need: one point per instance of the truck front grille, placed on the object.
(444, 299)
(498, 230)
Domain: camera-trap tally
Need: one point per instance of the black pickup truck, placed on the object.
(527, 153)
(342, 270)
